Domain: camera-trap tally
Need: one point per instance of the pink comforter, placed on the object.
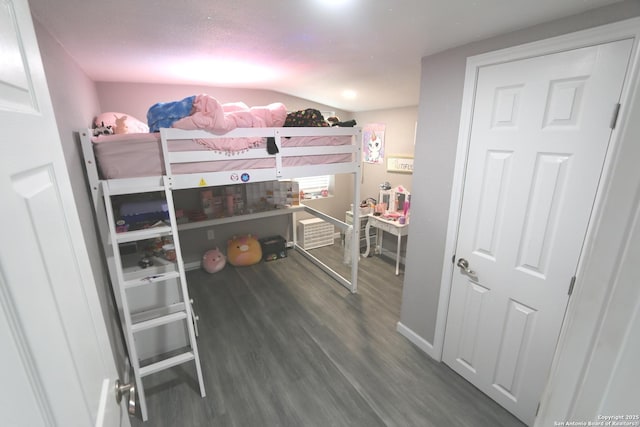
(211, 115)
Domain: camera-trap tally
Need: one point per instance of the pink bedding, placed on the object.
(209, 114)
(136, 155)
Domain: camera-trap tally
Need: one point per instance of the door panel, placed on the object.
(491, 213)
(58, 367)
(539, 136)
(516, 344)
(542, 213)
(473, 309)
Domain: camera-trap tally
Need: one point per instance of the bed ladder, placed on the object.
(127, 278)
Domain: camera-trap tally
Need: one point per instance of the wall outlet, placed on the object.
(210, 235)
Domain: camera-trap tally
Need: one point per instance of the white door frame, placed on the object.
(603, 34)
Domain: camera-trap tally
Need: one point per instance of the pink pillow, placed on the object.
(121, 123)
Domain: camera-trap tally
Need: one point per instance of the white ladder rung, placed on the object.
(143, 316)
(127, 274)
(145, 233)
(158, 321)
(153, 278)
(166, 363)
(118, 187)
(115, 191)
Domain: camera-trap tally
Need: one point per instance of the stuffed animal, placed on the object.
(103, 130)
(244, 250)
(121, 125)
(213, 261)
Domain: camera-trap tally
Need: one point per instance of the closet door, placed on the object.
(56, 365)
(539, 137)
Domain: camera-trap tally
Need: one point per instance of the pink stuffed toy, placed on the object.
(213, 261)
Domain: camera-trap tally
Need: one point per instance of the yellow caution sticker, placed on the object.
(202, 182)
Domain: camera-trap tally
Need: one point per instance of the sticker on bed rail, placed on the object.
(234, 177)
(202, 183)
(245, 177)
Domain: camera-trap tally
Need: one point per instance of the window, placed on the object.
(314, 186)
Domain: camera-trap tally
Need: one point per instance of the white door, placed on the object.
(539, 136)
(55, 362)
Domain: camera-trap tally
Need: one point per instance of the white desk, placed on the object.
(393, 227)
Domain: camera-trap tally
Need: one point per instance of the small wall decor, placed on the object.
(373, 143)
(400, 164)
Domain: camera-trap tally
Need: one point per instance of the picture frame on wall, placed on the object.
(400, 164)
(373, 143)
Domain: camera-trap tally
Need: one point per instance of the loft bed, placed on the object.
(184, 159)
(209, 145)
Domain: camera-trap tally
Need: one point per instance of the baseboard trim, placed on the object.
(194, 265)
(391, 254)
(417, 340)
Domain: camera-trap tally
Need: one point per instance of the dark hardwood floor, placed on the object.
(283, 344)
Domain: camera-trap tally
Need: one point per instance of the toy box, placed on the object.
(274, 247)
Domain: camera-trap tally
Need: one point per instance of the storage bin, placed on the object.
(273, 248)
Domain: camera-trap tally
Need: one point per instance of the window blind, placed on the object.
(313, 185)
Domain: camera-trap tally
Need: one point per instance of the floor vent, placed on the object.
(314, 233)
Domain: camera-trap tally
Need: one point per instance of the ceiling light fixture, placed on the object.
(349, 94)
(224, 71)
(334, 3)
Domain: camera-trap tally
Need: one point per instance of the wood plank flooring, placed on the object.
(283, 344)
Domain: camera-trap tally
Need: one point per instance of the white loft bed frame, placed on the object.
(200, 180)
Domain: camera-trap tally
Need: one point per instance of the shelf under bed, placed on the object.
(138, 163)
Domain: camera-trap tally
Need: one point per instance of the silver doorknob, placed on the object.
(121, 389)
(464, 266)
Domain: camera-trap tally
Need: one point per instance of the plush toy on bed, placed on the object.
(213, 261)
(120, 123)
(244, 250)
(103, 130)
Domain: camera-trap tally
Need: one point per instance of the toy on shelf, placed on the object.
(213, 261)
(244, 250)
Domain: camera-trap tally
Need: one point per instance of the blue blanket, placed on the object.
(164, 114)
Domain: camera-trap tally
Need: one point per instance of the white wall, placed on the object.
(399, 138)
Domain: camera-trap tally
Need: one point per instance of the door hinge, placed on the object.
(614, 117)
(538, 409)
(571, 284)
(453, 259)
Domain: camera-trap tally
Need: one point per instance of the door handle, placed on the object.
(121, 389)
(464, 266)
